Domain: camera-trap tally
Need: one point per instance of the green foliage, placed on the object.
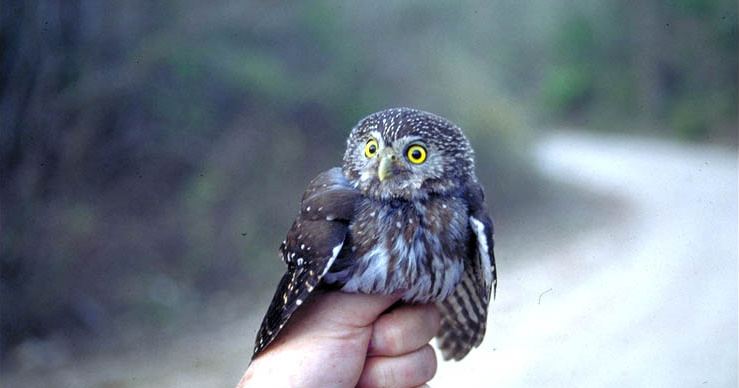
(566, 88)
(575, 40)
(645, 64)
(694, 8)
(567, 85)
(693, 118)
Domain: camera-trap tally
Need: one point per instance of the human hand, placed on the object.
(345, 340)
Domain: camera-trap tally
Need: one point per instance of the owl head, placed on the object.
(409, 154)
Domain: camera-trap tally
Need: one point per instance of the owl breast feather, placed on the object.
(412, 248)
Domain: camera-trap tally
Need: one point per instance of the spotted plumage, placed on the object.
(404, 214)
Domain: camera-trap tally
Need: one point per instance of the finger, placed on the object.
(408, 370)
(404, 330)
(336, 315)
(352, 310)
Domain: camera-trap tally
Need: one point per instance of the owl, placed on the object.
(405, 215)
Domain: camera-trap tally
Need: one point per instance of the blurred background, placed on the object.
(152, 155)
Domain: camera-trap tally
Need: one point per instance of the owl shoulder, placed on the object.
(475, 196)
(330, 197)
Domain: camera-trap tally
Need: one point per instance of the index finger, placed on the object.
(404, 330)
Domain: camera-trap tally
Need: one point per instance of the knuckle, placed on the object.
(405, 330)
(392, 338)
(412, 369)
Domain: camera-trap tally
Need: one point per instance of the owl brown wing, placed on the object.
(312, 244)
(464, 312)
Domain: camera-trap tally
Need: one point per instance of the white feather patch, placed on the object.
(482, 244)
(334, 255)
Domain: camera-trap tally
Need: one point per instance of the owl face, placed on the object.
(407, 154)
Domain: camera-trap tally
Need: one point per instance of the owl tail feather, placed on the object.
(463, 320)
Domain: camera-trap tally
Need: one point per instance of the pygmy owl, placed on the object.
(404, 214)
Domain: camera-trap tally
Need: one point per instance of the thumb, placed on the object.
(352, 310)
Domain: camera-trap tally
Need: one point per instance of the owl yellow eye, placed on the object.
(370, 149)
(416, 154)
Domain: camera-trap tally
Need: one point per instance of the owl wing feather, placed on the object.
(312, 244)
(464, 312)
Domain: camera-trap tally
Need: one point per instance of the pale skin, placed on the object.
(348, 340)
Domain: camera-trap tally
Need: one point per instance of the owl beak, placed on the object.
(385, 170)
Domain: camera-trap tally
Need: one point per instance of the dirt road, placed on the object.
(645, 299)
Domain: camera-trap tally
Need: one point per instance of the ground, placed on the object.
(633, 284)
